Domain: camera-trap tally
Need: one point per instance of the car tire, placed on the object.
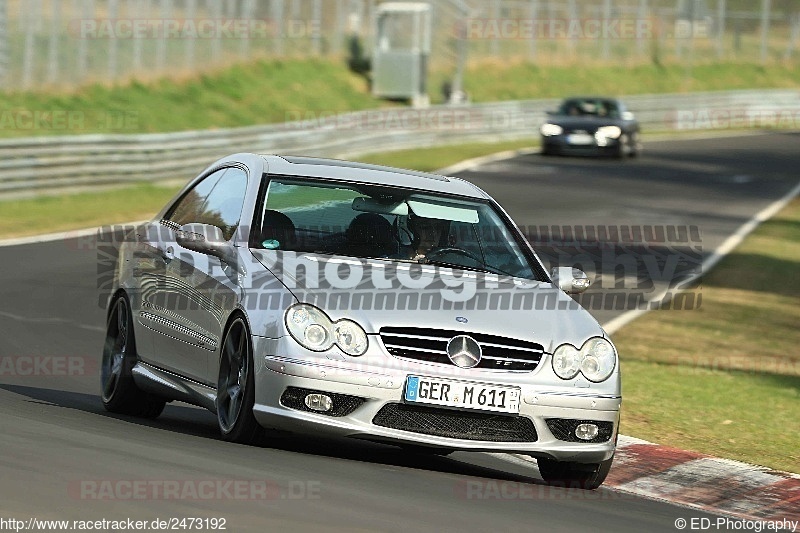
(236, 386)
(623, 146)
(634, 151)
(119, 392)
(574, 475)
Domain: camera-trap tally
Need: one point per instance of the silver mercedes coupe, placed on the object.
(338, 298)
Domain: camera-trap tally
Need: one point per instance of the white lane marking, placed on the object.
(724, 249)
(471, 164)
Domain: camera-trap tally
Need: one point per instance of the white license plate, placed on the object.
(466, 394)
(580, 138)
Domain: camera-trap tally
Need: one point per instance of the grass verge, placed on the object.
(273, 91)
(724, 379)
(50, 214)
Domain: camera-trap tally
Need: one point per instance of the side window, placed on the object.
(217, 200)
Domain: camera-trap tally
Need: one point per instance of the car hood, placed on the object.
(587, 123)
(450, 299)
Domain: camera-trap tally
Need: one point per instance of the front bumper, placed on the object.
(558, 144)
(379, 387)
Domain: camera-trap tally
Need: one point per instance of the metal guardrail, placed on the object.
(39, 164)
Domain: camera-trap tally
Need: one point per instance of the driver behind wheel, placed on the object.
(427, 233)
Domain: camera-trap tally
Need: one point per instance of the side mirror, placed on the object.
(570, 280)
(206, 239)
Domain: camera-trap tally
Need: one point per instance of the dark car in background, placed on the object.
(591, 125)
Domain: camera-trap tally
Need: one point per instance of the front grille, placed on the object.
(343, 404)
(455, 424)
(430, 345)
(564, 429)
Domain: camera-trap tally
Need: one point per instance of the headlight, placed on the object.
(599, 359)
(350, 337)
(312, 328)
(595, 360)
(609, 132)
(548, 130)
(566, 361)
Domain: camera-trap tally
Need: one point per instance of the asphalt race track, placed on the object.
(64, 457)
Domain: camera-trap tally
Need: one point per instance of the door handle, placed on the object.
(169, 254)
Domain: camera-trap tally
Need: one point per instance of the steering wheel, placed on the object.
(454, 250)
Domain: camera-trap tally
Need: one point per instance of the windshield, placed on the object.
(592, 107)
(390, 223)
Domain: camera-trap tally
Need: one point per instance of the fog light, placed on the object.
(321, 402)
(583, 431)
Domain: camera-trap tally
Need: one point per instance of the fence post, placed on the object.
(794, 35)
(215, 9)
(162, 43)
(606, 17)
(276, 7)
(247, 14)
(721, 10)
(113, 45)
(495, 43)
(765, 14)
(4, 44)
(338, 31)
(315, 26)
(32, 15)
(534, 12)
(189, 45)
(52, 47)
(573, 19)
(641, 15)
(142, 11)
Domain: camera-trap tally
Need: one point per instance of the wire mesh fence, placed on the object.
(59, 43)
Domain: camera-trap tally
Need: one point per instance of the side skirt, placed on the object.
(173, 387)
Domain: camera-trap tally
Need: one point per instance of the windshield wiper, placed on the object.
(485, 268)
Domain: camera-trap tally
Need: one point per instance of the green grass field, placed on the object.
(277, 91)
(724, 379)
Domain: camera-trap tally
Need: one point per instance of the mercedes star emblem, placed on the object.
(464, 351)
